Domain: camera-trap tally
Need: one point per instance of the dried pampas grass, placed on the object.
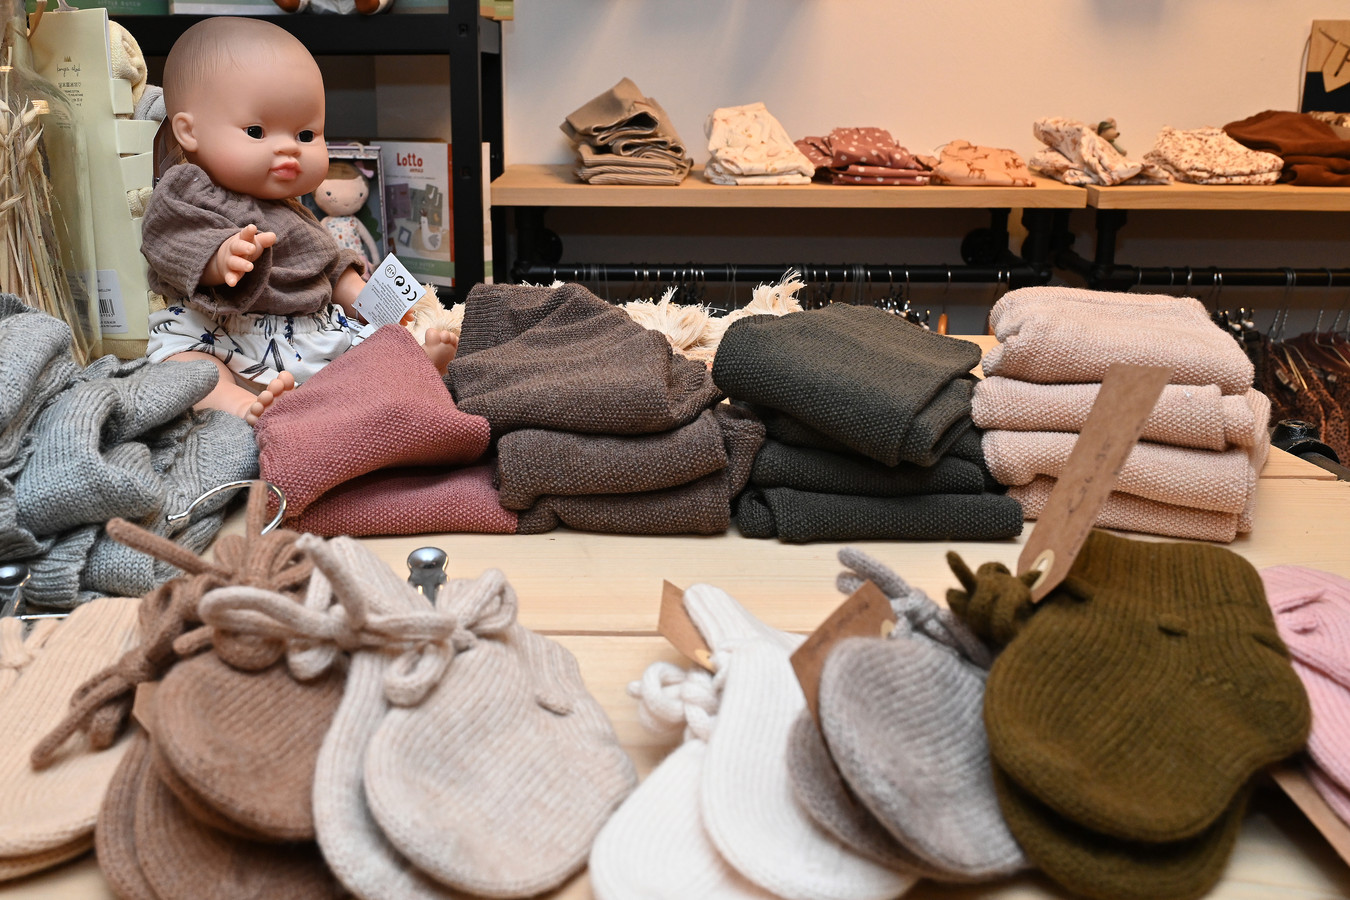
(683, 326)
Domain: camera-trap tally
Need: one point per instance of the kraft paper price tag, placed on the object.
(389, 294)
(1294, 783)
(143, 706)
(866, 613)
(674, 624)
(1123, 404)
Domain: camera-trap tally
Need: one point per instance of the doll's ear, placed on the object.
(182, 131)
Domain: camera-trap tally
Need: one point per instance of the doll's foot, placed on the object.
(278, 386)
(440, 345)
(289, 6)
(370, 7)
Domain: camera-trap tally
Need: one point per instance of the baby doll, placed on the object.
(341, 195)
(255, 283)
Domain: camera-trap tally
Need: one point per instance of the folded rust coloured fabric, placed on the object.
(351, 419)
(799, 516)
(1222, 481)
(820, 471)
(1062, 335)
(869, 379)
(563, 359)
(410, 501)
(1313, 153)
(699, 507)
(533, 462)
(1126, 512)
(1186, 415)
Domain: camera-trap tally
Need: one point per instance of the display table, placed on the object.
(598, 595)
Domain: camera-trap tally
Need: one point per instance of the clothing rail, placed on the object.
(863, 275)
(1123, 277)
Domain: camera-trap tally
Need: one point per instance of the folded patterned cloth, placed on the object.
(900, 177)
(962, 162)
(702, 506)
(820, 471)
(1313, 153)
(799, 516)
(563, 359)
(864, 377)
(748, 142)
(1060, 335)
(1126, 512)
(864, 156)
(1222, 481)
(1210, 156)
(1186, 415)
(1079, 155)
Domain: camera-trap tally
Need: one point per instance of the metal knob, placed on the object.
(13, 576)
(426, 570)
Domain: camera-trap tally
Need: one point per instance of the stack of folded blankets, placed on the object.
(1210, 156)
(869, 429)
(623, 137)
(598, 424)
(1193, 474)
(1075, 153)
(1314, 153)
(1129, 712)
(1312, 612)
(865, 156)
(749, 146)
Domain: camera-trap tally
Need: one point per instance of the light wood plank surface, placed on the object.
(1250, 197)
(557, 185)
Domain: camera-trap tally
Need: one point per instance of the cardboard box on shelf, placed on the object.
(418, 211)
(366, 159)
(225, 8)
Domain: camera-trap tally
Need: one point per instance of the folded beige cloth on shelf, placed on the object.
(1125, 512)
(1210, 156)
(1186, 415)
(1060, 335)
(1222, 481)
(619, 115)
(1077, 154)
(749, 146)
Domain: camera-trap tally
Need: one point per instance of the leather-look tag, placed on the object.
(866, 613)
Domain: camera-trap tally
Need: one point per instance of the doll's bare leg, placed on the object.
(232, 397)
(440, 345)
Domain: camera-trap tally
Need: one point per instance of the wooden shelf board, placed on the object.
(557, 185)
(1246, 197)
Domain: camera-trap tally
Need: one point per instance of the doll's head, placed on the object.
(343, 192)
(245, 101)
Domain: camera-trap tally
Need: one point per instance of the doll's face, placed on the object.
(259, 132)
(341, 196)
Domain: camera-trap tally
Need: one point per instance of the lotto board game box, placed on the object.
(417, 207)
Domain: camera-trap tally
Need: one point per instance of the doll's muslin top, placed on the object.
(189, 217)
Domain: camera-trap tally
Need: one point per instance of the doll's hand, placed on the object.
(235, 257)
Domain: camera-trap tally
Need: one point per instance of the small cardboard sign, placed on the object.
(1123, 404)
(674, 624)
(389, 294)
(866, 613)
(1291, 779)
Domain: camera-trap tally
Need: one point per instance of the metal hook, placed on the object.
(232, 485)
(426, 570)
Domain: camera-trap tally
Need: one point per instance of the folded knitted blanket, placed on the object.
(1210, 156)
(563, 359)
(1060, 335)
(1186, 415)
(799, 516)
(113, 439)
(820, 471)
(1126, 512)
(1222, 481)
(699, 507)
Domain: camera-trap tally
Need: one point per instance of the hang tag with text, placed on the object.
(674, 624)
(866, 613)
(389, 294)
(1127, 397)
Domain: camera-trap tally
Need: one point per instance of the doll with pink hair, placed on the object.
(253, 281)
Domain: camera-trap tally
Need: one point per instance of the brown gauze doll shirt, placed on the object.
(189, 217)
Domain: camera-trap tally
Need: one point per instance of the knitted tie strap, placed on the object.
(670, 698)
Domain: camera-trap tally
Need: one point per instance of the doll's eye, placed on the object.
(305, 136)
(254, 131)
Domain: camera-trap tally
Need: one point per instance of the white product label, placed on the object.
(112, 312)
(389, 293)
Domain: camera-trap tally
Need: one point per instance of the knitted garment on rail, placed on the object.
(563, 359)
(1126, 512)
(1210, 156)
(798, 516)
(1077, 154)
(860, 375)
(1313, 153)
(1060, 335)
(1196, 416)
(702, 506)
(820, 471)
(349, 420)
(964, 163)
(1099, 743)
(749, 146)
(114, 439)
(1218, 480)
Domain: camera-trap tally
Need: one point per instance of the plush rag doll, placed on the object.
(340, 196)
